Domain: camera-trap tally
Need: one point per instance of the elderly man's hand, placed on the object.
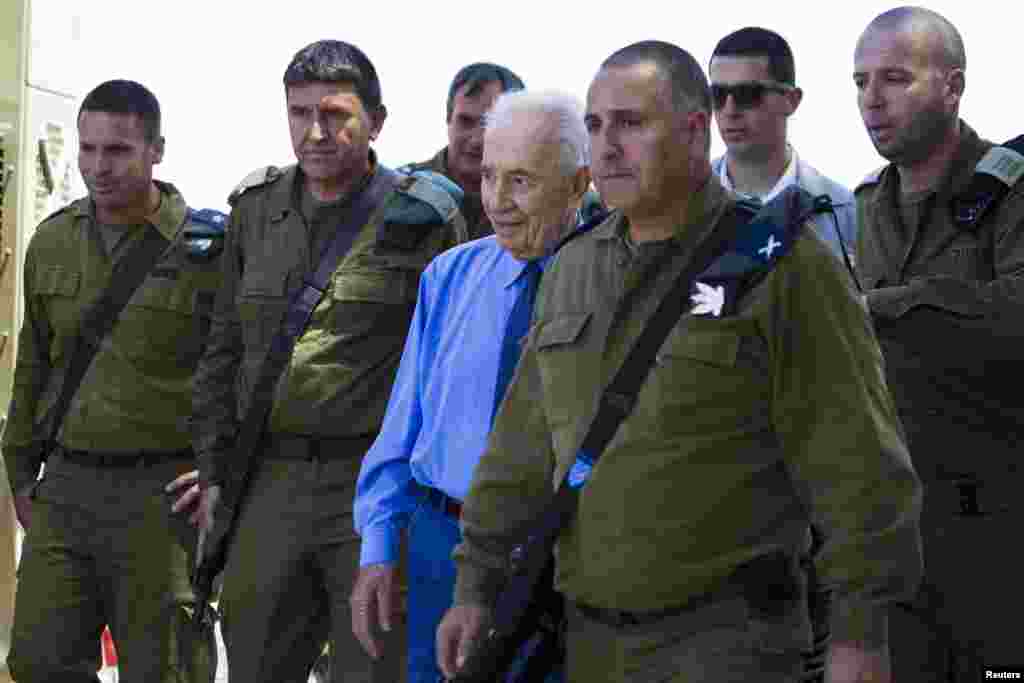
(460, 630)
(374, 602)
(855, 663)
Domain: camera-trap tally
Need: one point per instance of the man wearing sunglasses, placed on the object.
(753, 94)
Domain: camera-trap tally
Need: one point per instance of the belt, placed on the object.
(617, 618)
(445, 503)
(123, 458)
(285, 446)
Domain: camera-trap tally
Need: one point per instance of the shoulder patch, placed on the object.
(423, 200)
(429, 198)
(258, 178)
(1003, 163)
(872, 178)
(203, 234)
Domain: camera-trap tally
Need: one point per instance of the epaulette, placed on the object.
(417, 207)
(767, 233)
(999, 170)
(203, 235)
(872, 178)
(58, 212)
(258, 178)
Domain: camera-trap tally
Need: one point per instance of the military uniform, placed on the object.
(471, 206)
(672, 564)
(948, 303)
(102, 547)
(295, 556)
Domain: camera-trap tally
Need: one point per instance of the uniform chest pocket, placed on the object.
(365, 306)
(57, 288)
(705, 347)
(159, 321)
(261, 302)
(699, 373)
(567, 373)
(57, 281)
(560, 332)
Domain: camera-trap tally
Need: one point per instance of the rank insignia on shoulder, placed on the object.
(204, 234)
(258, 178)
(1003, 163)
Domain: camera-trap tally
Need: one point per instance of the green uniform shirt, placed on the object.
(471, 206)
(339, 378)
(136, 394)
(744, 423)
(949, 309)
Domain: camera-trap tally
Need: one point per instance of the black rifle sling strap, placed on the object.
(616, 403)
(129, 273)
(300, 309)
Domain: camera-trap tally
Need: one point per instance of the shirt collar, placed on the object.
(708, 204)
(790, 176)
(168, 217)
(515, 267)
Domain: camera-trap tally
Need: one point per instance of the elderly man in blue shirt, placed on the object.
(473, 308)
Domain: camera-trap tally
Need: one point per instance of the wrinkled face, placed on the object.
(466, 132)
(755, 130)
(907, 97)
(331, 142)
(640, 142)
(116, 161)
(528, 194)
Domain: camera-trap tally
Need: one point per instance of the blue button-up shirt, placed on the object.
(440, 411)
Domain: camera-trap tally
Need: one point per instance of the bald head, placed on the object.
(931, 28)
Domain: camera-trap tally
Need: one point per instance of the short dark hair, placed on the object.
(686, 78)
(475, 76)
(754, 41)
(126, 97)
(335, 61)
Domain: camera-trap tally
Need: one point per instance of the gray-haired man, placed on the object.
(474, 304)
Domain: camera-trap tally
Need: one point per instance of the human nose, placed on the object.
(605, 143)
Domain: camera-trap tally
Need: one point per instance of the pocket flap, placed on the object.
(376, 286)
(718, 347)
(57, 281)
(565, 329)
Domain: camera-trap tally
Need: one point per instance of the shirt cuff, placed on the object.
(855, 621)
(380, 545)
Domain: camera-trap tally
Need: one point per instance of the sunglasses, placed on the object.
(745, 95)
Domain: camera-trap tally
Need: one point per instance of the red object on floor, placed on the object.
(107, 647)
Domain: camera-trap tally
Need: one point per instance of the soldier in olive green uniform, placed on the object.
(470, 95)
(101, 547)
(946, 290)
(293, 561)
(760, 415)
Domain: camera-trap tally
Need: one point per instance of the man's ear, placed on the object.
(956, 81)
(377, 121)
(794, 97)
(158, 150)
